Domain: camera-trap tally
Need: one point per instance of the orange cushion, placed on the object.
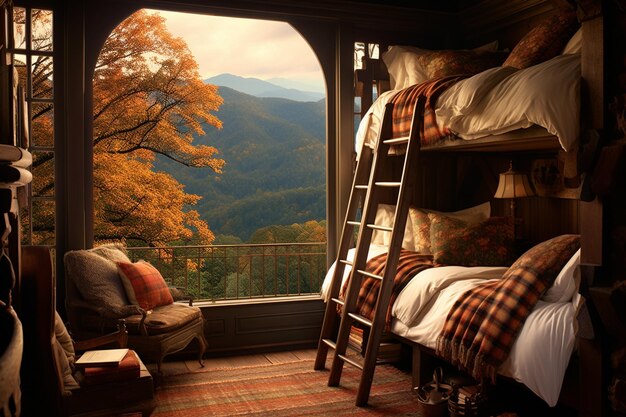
(144, 285)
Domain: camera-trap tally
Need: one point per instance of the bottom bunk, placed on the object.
(543, 345)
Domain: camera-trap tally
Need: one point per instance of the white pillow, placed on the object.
(575, 44)
(546, 94)
(566, 283)
(384, 217)
(405, 69)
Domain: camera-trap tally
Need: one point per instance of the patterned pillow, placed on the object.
(457, 62)
(489, 243)
(546, 259)
(544, 41)
(144, 285)
(421, 223)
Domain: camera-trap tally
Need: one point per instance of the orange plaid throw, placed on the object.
(404, 106)
(484, 322)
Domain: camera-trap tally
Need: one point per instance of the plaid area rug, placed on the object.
(286, 389)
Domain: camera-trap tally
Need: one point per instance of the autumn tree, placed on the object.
(148, 100)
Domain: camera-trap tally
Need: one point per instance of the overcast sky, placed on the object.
(246, 47)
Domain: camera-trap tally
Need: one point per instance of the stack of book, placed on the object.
(108, 365)
(14, 162)
(388, 351)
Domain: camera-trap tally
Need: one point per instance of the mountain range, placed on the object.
(259, 88)
(274, 149)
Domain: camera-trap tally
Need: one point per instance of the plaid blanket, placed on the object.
(404, 106)
(484, 322)
(409, 264)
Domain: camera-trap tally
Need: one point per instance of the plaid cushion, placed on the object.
(144, 285)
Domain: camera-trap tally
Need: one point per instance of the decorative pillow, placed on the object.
(566, 283)
(421, 223)
(444, 63)
(115, 252)
(544, 41)
(406, 68)
(63, 337)
(98, 282)
(546, 259)
(63, 349)
(384, 217)
(575, 44)
(455, 242)
(144, 285)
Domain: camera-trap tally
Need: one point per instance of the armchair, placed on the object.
(97, 295)
(49, 381)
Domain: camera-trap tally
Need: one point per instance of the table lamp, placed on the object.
(513, 185)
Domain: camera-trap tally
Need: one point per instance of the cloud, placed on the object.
(246, 47)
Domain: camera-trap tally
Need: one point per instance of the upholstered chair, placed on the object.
(103, 286)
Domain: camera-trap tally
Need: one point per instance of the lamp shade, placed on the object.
(513, 185)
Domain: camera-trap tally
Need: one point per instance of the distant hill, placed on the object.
(275, 169)
(259, 88)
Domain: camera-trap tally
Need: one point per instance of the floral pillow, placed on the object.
(144, 285)
(488, 243)
(544, 41)
(418, 217)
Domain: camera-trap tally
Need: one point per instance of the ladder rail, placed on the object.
(408, 183)
(330, 316)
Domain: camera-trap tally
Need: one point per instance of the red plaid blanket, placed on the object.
(404, 105)
(409, 264)
(484, 322)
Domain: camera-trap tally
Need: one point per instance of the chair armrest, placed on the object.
(181, 294)
(120, 338)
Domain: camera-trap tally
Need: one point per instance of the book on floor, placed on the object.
(104, 357)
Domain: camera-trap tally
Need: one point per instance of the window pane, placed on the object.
(41, 30)
(43, 174)
(19, 27)
(41, 68)
(43, 222)
(42, 131)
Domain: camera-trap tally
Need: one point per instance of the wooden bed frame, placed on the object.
(585, 390)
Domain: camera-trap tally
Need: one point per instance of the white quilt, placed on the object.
(542, 350)
(500, 100)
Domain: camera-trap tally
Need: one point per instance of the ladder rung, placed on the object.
(351, 361)
(338, 301)
(378, 227)
(388, 183)
(345, 262)
(397, 141)
(360, 187)
(369, 274)
(330, 343)
(361, 319)
(353, 223)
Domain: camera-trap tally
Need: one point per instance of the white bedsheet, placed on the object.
(501, 100)
(540, 354)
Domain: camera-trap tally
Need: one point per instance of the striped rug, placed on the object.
(286, 389)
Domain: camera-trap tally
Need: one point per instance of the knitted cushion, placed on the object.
(144, 285)
(98, 283)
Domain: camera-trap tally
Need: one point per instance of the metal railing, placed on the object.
(235, 272)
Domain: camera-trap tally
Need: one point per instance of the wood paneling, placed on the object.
(262, 325)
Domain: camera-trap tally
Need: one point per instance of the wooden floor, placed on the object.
(192, 365)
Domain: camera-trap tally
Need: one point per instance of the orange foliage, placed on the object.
(148, 98)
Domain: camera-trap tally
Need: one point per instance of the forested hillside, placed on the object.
(274, 174)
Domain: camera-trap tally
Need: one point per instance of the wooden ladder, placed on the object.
(375, 165)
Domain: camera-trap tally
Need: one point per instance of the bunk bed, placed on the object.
(502, 108)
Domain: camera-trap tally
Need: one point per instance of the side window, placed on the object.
(31, 46)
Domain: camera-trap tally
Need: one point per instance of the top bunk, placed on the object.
(527, 99)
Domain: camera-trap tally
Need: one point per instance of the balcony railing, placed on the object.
(235, 272)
